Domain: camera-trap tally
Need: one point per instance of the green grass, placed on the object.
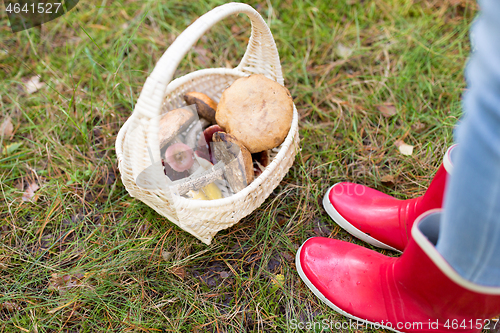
(133, 270)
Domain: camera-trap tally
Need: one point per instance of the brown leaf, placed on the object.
(281, 220)
(404, 148)
(180, 272)
(387, 109)
(287, 256)
(19, 184)
(224, 275)
(388, 180)
(166, 255)
(418, 127)
(10, 306)
(6, 129)
(306, 157)
(64, 282)
(30, 192)
(33, 84)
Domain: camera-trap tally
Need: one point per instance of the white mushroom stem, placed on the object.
(194, 168)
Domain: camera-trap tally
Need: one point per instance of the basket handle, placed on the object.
(261, 49)
(261, 56)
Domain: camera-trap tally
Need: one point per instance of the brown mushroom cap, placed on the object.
(257, 111)
(204, 105)
(247, 157)
(172, 123)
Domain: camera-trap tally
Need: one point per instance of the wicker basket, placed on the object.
(137, 142)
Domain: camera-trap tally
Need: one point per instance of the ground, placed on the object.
(78, 254)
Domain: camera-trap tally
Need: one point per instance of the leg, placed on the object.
(419, 286)
(470, 231)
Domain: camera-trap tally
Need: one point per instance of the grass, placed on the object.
(86, 257)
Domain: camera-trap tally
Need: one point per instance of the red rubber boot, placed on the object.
(417, 292)
(379, 219)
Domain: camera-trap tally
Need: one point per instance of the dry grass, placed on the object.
(86, 257)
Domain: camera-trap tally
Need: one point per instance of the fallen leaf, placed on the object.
(64, 282)
(6, 129)
(30, 192)
(282, 220)
(9, 149)
(404, 148)
(224, 275)
(343, 51)
(166, 255)
(418, 127)
(388, 180)
(387, 110)
(10, 306)
(287, 256)
(19, 184)
(33, 84)
(180, 272)
(274, 263)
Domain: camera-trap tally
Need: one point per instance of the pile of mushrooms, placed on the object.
(182, 158)
(253, 116)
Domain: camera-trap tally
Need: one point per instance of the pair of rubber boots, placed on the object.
(416, 292)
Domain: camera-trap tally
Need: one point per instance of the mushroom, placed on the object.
(234, 161)
(238, 160)
(211, 190)
(208, 192)
(199, 174)
(179, 157)
(181, 160)
(204, 105)
(195, 132)
(257, 111)
(207, 136)
(197, 195)
(172, 174)
(209, 132)
(260, 162)
(172, 124)
(199, 180)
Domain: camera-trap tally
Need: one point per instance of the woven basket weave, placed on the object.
(137, 142)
